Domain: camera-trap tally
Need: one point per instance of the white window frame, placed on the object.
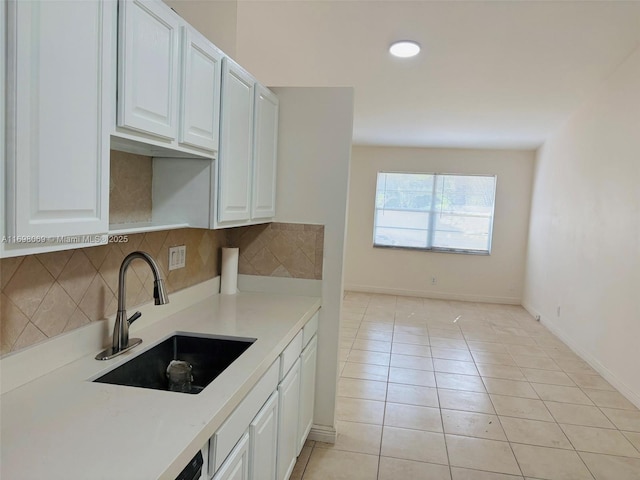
(432, 215)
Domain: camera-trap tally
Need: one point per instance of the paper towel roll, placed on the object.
(229, 276)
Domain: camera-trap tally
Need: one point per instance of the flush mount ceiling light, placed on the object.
(404, 49)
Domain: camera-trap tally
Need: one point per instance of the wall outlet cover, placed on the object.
(177, 257)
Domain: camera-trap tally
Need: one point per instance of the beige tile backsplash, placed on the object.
(44, 295)
(280, 250)
(47, 294)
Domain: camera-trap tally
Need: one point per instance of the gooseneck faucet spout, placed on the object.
(121, 341)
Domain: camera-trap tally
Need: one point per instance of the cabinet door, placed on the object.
(200, 91)
(3, 45)
(236, 466)
(263, 439)
(236, 144)
(148, 67)
(307, 391)
(59, 107)
(263, 204)
(289, 392)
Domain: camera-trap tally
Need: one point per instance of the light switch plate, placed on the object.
(177, 257)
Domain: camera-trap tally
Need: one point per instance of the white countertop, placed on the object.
(63, 425)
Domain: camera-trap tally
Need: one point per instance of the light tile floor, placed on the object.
(442, 390)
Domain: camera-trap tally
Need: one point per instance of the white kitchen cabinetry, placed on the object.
(307, 391)
(59, 59)
(246, 173)
(169, 80)
(3, 53)
(276, 415)
(200, 92)
(168, 84)
(236, 144)
(263, 441)
(238, 422)
(263, 203)
(236, 465)
(289, 392)
(148, 67)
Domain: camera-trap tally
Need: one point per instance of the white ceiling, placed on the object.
(490, 75)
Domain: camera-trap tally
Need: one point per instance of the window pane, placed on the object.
(465, 194)
(407, 191)
(461, 232)
(422, 210)
(400, 237)
(402, 219)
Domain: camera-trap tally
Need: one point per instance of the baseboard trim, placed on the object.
(464, 297)
(322, 433)
(607, 374)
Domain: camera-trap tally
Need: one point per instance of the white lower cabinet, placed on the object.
(223, 441)
(263, 440)
(307, 391)
(289, 391)
(236, 465)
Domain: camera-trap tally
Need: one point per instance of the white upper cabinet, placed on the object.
(263, 204)
(169, 79)
(59, 57)
(200, 92)
(246, 170)
(3, 92)
(236, 144)
(148, 68)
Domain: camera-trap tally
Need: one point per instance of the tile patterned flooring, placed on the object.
(442, 390)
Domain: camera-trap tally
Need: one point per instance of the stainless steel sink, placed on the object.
(208, 355)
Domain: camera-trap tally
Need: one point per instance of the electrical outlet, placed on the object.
(558, 311)
(434, 280)
(538, 318)
(177, 257)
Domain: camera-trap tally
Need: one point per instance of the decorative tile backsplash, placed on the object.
(47, 294)
(44, 295)
(280, 250)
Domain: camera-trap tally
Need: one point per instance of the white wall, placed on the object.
(215, 19)
(495, 278)
(584, 242)
(314, 151)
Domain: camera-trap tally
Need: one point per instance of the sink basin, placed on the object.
(208, 355)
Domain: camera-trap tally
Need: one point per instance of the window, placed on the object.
(428, 211)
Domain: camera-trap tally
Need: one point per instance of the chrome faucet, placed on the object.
(121, 341)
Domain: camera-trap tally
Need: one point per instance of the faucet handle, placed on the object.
(134, 317)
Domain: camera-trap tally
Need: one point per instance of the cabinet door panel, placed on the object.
(289, 392)
(3, 46)
(236, 466)
(263, 203)
(200, 105)
(148, 68)
(263, 439)
(58, 149)
(236, 144)
(307, 391)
